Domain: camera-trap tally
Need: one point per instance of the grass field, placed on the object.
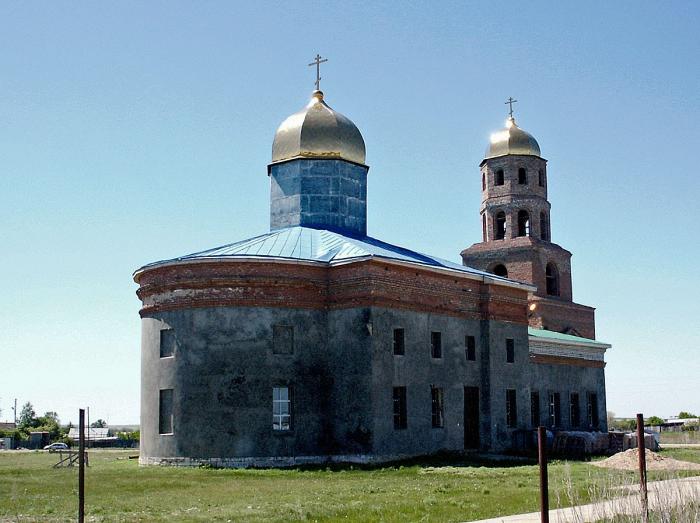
(117, 489)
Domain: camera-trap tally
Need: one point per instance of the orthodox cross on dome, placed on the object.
(317, 62)
(510, 102)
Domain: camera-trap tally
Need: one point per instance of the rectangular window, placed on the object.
(165, 412)
(437, 407)
(510, 350)
(436, 344)
(470, 343)
(281, 408)
(511, 409)
(554, 409)
(167, 343)
(399, 342)
(535, 408)
(574, 410)
(282, 339)
(593, 420)
(400, 417)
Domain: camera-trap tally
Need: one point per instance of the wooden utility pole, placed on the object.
(81, 468)
(641, 450)
(544, 482)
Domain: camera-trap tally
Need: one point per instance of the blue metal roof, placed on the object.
(320, 245)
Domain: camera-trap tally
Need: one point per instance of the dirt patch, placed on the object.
(628, 460)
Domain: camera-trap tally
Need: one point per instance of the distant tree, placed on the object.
(686, 415)
(655, 421)
(49, 422)
(129, 436)
(624, 424)
(27, 416)
(691, 426)
(51, 415)
(99, 424)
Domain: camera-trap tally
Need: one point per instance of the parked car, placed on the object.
(56, 446)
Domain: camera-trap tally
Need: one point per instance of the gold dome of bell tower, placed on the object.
(512, 139)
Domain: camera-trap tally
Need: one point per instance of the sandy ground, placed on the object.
(628, 460)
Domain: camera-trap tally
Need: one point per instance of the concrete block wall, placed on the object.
(330, 194)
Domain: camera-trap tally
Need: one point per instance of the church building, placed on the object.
(315, 342)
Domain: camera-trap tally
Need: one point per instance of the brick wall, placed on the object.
(317, 286)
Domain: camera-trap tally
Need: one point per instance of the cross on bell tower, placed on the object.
(510, 102)
(317, 62)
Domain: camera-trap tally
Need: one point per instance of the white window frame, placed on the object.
(281, 408)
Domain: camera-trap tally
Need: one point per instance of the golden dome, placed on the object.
(317, 131)
(512, 140)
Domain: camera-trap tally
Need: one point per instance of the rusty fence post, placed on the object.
(544, 482)
(81, 468)
(641, 451)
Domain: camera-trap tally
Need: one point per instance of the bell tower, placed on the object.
(516, 231)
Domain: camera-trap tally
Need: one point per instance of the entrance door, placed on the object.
(471, 417)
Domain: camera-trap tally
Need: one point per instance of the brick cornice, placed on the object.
(561, 360)
(368, 282)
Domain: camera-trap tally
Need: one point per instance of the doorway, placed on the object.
(471, 417)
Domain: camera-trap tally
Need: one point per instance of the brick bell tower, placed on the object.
(517, 241)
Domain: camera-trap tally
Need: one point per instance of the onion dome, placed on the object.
(512, 140)
(317, 131)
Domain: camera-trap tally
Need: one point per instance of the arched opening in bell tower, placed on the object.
(522, 176)
(552, 279)
(544, 226)
(499, 178)
(500, 226)
(500, 270)
(523, 223)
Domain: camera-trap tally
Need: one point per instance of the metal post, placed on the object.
(81, 468)
(544, 483)
(15, 411)
(641, 450)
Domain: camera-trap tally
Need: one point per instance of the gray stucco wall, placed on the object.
(222, 374)
(342, 373)
(330, 194)
(417, 370)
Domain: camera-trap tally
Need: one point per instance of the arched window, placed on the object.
(483, 181)
(523, 223)
(522, 176)
(544, 227)
(541, 177)
(500, 270)
(499, 177)
(483, 226)
(500, 230)
(552, 277)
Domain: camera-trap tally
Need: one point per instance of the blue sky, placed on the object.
(137, 131)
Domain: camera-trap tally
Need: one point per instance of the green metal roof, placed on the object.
(551, 335)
